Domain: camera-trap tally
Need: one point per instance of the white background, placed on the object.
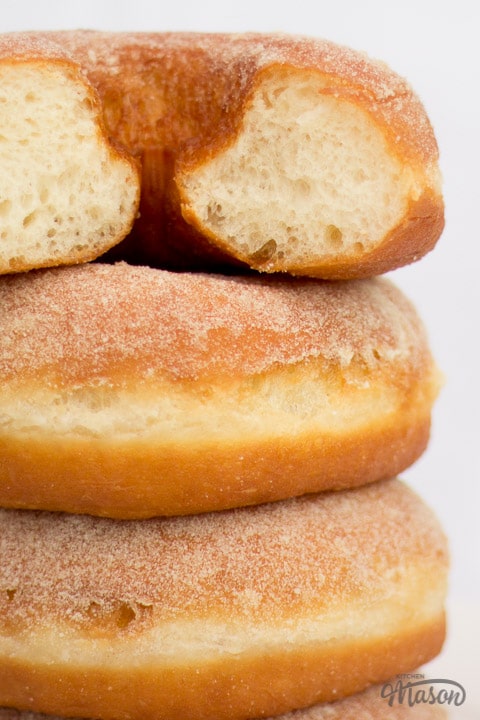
(436, 46)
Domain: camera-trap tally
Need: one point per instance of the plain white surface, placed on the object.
(435, 45)
(459, 659)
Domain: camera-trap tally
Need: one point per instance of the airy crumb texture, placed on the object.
(66, 194)
(276, 152)
(319, 180)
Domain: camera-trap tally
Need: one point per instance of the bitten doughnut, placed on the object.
(132, 392)
(367, 705)
(224, 616)
(67, 194)
(278, 153)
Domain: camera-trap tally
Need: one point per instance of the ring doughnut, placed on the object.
(132, 392)
(366, 705)
(201, 114)
(245, 613)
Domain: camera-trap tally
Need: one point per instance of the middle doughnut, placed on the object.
(158, 393)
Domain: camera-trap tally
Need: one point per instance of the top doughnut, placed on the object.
(271, 152)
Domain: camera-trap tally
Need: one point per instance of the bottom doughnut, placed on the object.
(367, 705)
(226, 616)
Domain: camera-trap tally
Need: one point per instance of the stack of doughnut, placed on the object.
(207, 389)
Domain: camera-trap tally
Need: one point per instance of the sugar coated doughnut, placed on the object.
(273, 152)
(132, 392)
(243, 613)
(367, 705)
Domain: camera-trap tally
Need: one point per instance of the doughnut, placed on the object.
(238, 614)
(130, 392)
(67, 194)
(272, 152)
(367, 705)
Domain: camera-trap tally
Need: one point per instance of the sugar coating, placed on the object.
(243, 55)
(240, 57)
(181, 103)
(259, 563)
(84, 324)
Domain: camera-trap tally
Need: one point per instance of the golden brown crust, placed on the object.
(143, 401)
(133, 479)
(367, 705)
(174, 100)
(257, 687)
(413, 238)
(229, 615)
